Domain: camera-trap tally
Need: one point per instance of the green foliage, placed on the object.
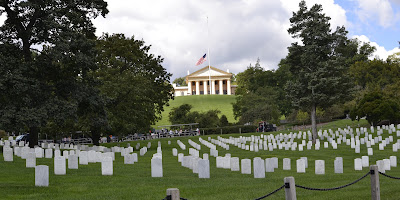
(319, 64)
(375, 74)
(181, 81)
(223, 121)
(200, 103)
(257, 94)
(134, 81)
(44, 85)
(377, 107)
(182, 115)
(302, 117)
(179, 115)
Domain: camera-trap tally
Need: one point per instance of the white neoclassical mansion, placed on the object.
(198, 83)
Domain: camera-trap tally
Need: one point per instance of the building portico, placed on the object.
(199, 83)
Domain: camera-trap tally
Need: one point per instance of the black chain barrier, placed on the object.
(168, 197)
(273, 192)
(392, 177)
(335, 188)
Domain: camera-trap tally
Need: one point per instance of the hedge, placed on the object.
(228, 130)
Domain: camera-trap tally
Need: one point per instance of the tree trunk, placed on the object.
(95, 135)
(33, 136)
(313, 123)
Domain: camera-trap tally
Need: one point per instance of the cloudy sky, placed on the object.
(240, 31)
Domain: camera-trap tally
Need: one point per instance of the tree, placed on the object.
(318, 63)
(302, 116)
(223, 121)
(178, 115)
(47, 79)
(377, 107)
(134, 82)
(181, 81)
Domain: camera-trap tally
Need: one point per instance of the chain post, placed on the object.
(173, 193)
(290, 188)
(375, 190)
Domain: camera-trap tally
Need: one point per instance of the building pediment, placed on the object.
(206, 72)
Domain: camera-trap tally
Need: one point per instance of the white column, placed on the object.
(228, 86)
(189, 88)
(197, 87)
(221, 89)
(205, 87)
(212, 86)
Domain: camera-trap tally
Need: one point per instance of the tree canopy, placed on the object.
(46, 78)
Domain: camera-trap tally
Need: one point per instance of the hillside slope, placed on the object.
(201, 103)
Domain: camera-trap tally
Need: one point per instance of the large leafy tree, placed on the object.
(318, 63)
(134, 82)
(42, 84)
(257, 94)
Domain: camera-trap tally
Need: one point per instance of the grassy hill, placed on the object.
(201, 103)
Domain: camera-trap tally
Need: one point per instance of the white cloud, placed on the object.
(377, 10)
(239, 31)
(380, 52)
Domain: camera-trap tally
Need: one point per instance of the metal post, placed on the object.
(174, 193)
(375, 191)
(290, 188)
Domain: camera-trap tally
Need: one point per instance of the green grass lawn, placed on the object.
(135, 181)
(201, 103)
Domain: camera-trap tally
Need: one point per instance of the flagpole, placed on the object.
(209, 57)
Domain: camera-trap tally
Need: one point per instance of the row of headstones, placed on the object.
(200, 166)
(181, 145)
(356, 144)
(194, 144)
(219, 142)
(207, 143)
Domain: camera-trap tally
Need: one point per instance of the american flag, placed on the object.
(201, 60)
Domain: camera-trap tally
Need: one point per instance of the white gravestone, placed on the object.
(73, 162)
(48, 153)
(128, 159)
(259, 168)
(156, 167)
(31, 160)
(39, 152)
(174, 152)
(42, 176)
(205, 156)
(358, 164)
(386, 164)
(57, 153)
(319, 166)
(365, 161)
(246, 166)
(8, 154)
(83, 158)
(275, 161)
(305, 161)
(381, 166)
(338, 165)
(393, 161)
(301, 166)
(107, 166)
(370, 151)
(204, 168)
(235, 164)
(60, 165)
(286, 164)
(269, 165)
(135, 157)
(180, 157)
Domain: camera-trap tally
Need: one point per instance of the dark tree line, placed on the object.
(57, 76)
